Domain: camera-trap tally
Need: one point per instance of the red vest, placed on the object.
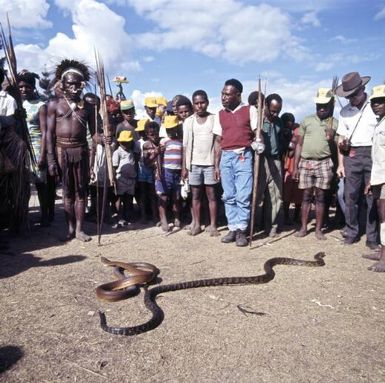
(236, 130)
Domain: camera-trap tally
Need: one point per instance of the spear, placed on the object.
(94, 154)
(334, 87)
(10, 56)
(109, 86)
(104, 114)
(106, 131)
(261, 112)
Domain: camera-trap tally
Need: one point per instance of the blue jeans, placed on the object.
(237, 184)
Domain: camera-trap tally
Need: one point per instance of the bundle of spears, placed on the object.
(16, 149)
(22, 128)
(106, 132)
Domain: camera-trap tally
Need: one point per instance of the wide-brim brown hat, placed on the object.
(350, 83)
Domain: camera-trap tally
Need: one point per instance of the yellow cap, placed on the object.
(150, 102)
(126, 104)
(171, 122)
(160, 100)
(125, 136)
(141, 125)
(378, 92)
(324, 95)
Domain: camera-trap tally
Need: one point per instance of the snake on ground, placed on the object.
(141, 274)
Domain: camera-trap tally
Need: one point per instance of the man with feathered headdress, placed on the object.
(67, 119)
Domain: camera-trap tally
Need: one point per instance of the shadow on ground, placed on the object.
(9, 355)
(11, 265)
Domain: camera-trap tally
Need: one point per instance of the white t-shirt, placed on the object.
(7, 104)
(365, 119)
(378, 155)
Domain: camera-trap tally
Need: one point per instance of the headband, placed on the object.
(71, 70)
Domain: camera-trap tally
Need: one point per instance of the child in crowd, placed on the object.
(198, 161)
(151, 159)
(98, 177)
(124, 162)
(146, 196)
(184, 108)
(168, 185)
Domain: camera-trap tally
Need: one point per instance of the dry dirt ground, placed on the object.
(324, 324)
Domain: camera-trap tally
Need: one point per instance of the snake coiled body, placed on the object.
(151, 293)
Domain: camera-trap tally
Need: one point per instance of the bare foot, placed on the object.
(82, 236)
(320, 236)
(212, 231)
(165, 227)
(195, 230)
(177, 222)
(300, 233)
(69, 237)
(378, 267)
(376, 256)
(188, 227)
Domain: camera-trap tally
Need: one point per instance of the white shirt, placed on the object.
(366, 119)
(7, 104)
(378, 155)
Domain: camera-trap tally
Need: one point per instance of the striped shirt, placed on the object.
(172, 157)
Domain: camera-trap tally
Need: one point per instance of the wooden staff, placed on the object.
(334, 87)
(261, 112)
(106, 131)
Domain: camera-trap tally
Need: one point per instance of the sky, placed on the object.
(174, 47)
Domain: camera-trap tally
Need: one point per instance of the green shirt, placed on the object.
(315, 145)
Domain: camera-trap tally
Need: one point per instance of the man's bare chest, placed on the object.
(68, 111)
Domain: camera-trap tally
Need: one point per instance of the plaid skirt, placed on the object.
(315, 173)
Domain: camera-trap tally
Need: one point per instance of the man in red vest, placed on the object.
(234, 133)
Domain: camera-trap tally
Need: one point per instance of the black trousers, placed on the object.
(358, 166)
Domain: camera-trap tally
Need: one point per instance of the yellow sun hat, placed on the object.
(125, 136)
(150, 102)
(160, 100)
(141, 125)
(378, 92)
(171, 122)
(324, 95)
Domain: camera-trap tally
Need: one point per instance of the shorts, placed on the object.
(125, 186)
(315, 173)
(378, 191)
(201, 175)
(169, 182)
(145, 174)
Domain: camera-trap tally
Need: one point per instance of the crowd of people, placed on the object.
(183, 166)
